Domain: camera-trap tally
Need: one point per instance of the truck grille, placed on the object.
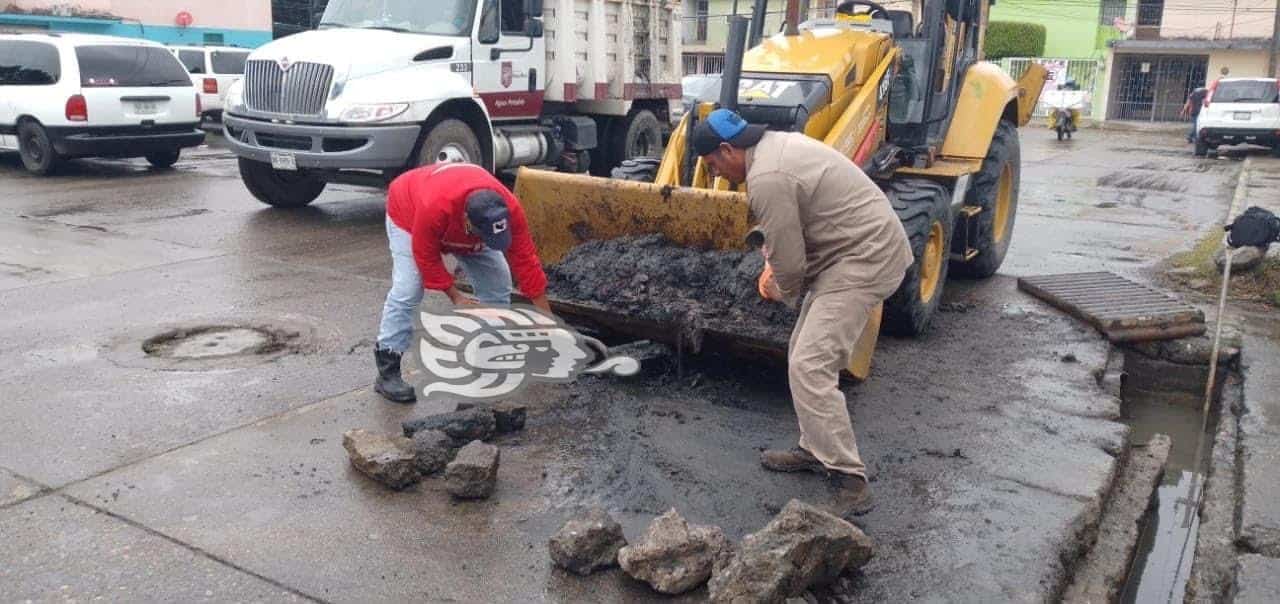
(301, 90)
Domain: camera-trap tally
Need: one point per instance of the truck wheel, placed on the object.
(994, 188)
(280, 188)
(38, 154)
(923, 206)
(164, 160)
(635, 136)
(1202, 147)
(450, 140)
(643, 137)
(643, 169)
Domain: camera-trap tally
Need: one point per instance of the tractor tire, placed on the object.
(642, 169)
(924, 207)
(450, 140)
(994, 188)
(38, 154)
(280, 188)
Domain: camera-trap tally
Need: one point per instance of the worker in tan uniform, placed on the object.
(828, 231)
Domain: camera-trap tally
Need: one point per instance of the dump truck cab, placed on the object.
(385, 85)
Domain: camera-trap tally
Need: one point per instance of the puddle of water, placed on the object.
(1167, 544)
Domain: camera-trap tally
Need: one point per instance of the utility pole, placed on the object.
(1272, 59)
(1232, 32)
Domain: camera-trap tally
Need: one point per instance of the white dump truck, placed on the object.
(385, 85)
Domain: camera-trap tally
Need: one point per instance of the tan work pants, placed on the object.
(825, 334)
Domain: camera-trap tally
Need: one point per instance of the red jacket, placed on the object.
(430, 203)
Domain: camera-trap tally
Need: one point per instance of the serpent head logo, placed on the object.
(487, 352)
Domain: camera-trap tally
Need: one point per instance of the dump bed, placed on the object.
(609, 50)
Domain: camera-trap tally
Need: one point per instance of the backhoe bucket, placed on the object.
(567, 210)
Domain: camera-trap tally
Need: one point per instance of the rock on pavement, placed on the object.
(673, 557)
(473, 473)
(386, 459)
(1245, 259)
(587, 543)
(462, 426)
(433, 450)
(800, 548)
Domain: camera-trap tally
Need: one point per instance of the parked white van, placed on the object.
(1238, 111)
(79, 95)
(213, 70)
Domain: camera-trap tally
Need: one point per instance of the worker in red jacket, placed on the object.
(463, 212)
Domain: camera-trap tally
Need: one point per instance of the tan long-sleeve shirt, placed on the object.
(827, 226)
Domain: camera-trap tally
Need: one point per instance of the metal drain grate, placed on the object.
(1122, 310)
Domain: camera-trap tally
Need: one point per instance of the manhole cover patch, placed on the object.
(216, 341)
(228, 343)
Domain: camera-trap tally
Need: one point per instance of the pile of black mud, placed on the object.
(652, 279)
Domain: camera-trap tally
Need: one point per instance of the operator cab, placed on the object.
(867, 16)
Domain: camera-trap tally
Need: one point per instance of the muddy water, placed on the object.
(1167, 544)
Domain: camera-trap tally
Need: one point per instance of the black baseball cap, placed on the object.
(725, 126)
(488, 214)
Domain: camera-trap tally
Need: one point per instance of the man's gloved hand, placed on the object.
(766, 285)
(1255, 227)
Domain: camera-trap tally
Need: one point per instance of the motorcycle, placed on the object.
(1065, 105)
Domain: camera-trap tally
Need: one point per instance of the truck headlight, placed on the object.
(373, 113)
(235, 96)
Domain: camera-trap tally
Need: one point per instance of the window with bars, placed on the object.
(1150, 13)
(1112, 10)
(702, 9)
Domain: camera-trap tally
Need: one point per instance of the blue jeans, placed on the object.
(487, 272)
(1191, 136)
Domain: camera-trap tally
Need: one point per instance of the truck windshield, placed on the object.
(439, 17)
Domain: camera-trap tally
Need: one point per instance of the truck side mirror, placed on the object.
(533, 27)
(533, 8)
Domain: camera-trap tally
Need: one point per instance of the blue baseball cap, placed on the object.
(725, 126)
(489, 217)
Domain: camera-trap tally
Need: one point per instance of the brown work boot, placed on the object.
(852, 496)
(794, 459)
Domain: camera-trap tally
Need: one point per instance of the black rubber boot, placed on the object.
(389, 383)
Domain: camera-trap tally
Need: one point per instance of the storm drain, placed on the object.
(218, 341)
(1122, 310)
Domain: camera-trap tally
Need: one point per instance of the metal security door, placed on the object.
(1153, 88)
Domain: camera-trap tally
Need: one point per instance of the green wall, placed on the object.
(1073, 31)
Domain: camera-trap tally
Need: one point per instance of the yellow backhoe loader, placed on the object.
(904, 94)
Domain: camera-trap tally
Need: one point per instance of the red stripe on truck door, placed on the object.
(507, 105)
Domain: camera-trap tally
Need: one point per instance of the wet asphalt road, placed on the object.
(136, 478)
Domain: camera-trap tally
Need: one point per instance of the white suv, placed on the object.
(77, 95)
(213, 70)
(1240, 110)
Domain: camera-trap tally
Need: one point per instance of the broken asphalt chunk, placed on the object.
(386, 459)
(674, 557)
(587, 543)
(473, 473)
(801, 547)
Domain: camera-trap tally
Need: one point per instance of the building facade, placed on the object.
(1173, 47)
(245, 23)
